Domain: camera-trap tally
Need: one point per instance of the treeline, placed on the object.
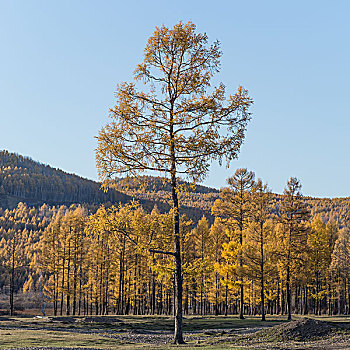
(202, 198)
(261, 255)
(25, 180)
(20, 232)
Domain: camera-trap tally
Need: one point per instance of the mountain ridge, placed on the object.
(23, 179)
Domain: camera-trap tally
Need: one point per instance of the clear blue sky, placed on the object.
(61, 60)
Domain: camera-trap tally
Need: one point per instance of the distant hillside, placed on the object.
(199, 201)
(25, 180)
(194, 201)
(334, 209)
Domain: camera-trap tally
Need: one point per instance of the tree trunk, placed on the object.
(178, 336)
(226, 296)
(12, 277)
(288, 294)
(262, 272)
(63, 274)
(241, 266)
(68, 277)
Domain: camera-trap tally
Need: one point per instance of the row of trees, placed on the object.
(252, 259)
(320, 285)
(20, 232)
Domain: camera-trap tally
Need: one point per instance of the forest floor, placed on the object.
(155, 332)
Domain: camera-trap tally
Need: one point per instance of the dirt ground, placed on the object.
(155, 332)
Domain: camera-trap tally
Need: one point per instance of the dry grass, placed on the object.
(154, 332)
(17, 338)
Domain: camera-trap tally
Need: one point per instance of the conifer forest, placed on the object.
(148, 242)
(280, 253)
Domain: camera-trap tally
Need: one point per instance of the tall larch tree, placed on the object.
(218, 234)
(340, 268)
(294, 219)
(202, 262)
(258, 234)
(176, 125)
(49, 258)
(319, 256)
(332, 232)
(234, 206)
(229, 267)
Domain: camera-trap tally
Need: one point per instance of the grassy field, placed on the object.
(154, 332)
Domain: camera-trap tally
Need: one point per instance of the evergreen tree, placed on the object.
(257, 250)
(218, 234)
(202, 262)
(319, 258)
(294, 217)
(234, 206)
(340, 268)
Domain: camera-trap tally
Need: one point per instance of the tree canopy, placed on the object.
(177, 116)
(176, 125)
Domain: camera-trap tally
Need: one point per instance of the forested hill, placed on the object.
(201, 199)
(25, 180)
(157, 189)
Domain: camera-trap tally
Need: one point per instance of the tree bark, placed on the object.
(178, 336)
(288, 294)
(262, 273)
(12, 277)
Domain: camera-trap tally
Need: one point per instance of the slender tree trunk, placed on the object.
(288, 294)
(278, 309)
(226, 296)
(54, 292)
(135, 286)
(201, 297)
(241, 262)
(329, 298)
(75, 288)
(262, 295)
(178, 336)
(12, 277)
(306, 310)
(68, 278)
(55, 273)
(63, 274)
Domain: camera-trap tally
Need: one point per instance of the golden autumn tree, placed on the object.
(234, 207)
(176, 125)
(319, 255)
(202, 261)
(218, 235)
(50, 259)
(258, 236)
(340, 270)
(229, 267)
(293, 243)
